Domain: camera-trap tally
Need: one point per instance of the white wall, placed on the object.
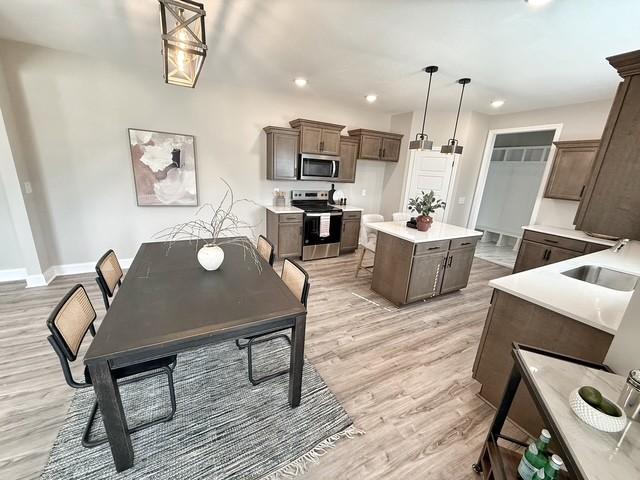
(73, 112)
(10, 254)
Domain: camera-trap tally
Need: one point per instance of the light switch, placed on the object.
(461, 200)
(27, 188)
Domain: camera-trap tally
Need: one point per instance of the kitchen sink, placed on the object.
(604, 277)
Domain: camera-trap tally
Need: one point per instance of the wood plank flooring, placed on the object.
(404, 375)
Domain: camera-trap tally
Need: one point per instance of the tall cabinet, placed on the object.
(611, 201)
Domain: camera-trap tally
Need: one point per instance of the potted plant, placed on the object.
(424, 205)
(219, 226)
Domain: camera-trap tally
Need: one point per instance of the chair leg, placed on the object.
(360, 261)
(257, 341)
(87, 443)
(241, 346)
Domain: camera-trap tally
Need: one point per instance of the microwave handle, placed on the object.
(333, 168)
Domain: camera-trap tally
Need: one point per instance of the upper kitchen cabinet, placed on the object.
(571, 169)
(348, 159)
(318, 137)
(611, 202)
(375, 145)
(282, 153)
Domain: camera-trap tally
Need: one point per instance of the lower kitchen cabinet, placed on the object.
(284, 230)
(458, 268)
(426, 276)
(538, 249)
(350, 232)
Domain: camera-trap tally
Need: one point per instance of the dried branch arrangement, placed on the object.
(219, 226)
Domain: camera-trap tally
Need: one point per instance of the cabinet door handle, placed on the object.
(343, 225)
(379, 152)
(384, 151)
(433, 248)
(450, 260)
(322, 145)
(465, 243)
(582, 191)
(547, 254)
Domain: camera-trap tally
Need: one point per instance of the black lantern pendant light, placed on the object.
(422, 141)
(184, 46)
(452, 146)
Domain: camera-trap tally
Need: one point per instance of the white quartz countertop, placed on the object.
(438, 231)
(597, 306)
(598, 455)
(291, 209)
(568, 233)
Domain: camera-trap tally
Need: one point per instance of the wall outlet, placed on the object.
(364, 192)
(27, 188)
(461, 200)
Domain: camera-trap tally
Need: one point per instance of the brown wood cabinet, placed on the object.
(571, 169)
(284, 230)
(512, 319)
(375, 145)
(282, 153)
(538, 249)
(611, 202)
(350, 231)
(406, 272)
(348, 159)
(318, 137)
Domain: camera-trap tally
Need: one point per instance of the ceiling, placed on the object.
(530, 57)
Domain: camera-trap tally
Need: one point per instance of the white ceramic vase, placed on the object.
(210, 257)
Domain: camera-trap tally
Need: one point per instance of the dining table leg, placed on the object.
(297, 360)
(115, 423)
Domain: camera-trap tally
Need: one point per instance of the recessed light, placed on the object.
(300, 82)
(497, 103)
(371, 98)
(537, 3)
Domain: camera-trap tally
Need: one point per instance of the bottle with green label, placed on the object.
(534, 458)
(552, 468)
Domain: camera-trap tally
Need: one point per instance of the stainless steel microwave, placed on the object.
(318, 167)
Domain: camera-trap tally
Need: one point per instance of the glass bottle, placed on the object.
(552, 468)
(534, 457)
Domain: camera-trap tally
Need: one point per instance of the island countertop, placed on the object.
(438, 231)
(594, 305)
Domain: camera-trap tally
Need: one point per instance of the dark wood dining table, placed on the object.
(168, 304)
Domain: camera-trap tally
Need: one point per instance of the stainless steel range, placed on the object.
(322, 224)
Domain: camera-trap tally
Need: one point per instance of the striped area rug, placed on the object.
(223, 428)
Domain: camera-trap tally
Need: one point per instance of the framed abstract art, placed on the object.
(164, 168)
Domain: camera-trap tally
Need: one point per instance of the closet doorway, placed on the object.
(510, 188)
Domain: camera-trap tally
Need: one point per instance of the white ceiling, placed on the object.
(531, 57)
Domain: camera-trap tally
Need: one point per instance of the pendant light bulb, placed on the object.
(452, 146)
(422, 141)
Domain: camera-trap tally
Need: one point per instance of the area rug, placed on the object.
(224, 427)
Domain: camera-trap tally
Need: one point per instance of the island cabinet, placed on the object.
(376, 145)
(512, 319)
(282, 153)
(406, 271)
(284, 231)
(538, 249)
(318, 137)
(350, 231)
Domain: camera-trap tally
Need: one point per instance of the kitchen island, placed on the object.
(411, 265)
(548, 309)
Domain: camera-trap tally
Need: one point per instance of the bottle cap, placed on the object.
(634, 378)
(556, 462)
(546, 435)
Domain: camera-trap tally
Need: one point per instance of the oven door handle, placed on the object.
(332, 214)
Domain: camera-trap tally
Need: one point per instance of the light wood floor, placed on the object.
(404, 375)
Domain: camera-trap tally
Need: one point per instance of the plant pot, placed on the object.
(210, 257)
(423, 222)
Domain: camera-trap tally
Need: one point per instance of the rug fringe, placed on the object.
(301, 465)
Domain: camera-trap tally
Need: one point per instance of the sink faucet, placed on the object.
(619, 245)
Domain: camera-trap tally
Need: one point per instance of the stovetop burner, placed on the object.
(312, 201)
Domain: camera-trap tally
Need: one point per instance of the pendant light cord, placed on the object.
(455, 128)
(426, 103)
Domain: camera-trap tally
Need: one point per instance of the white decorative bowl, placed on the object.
(594, 417)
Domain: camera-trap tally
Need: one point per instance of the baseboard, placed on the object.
(13, 274)
(67, 269)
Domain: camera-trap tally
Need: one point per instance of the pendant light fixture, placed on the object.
(184, 46)
(422, 141)
(452, 146)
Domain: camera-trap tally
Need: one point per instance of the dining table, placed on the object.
(168, 304)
